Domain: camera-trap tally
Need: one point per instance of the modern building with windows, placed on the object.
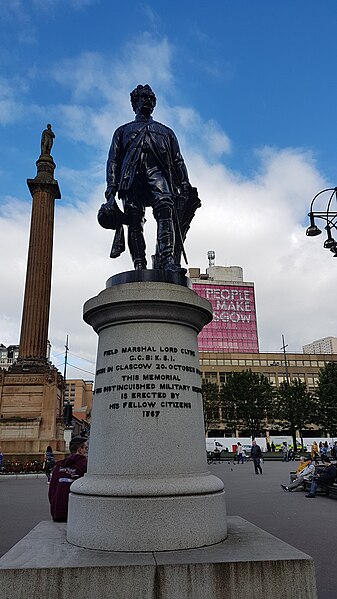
(215, 367)
(79, 394)
(326, 345)
(305, 367)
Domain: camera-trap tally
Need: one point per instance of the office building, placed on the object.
(327, 345)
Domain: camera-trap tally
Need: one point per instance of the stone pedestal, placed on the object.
(148, 487)
(249, 564)
(30, 411)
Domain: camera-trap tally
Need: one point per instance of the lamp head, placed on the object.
(313, 230)
(333, 249)
(329, 242)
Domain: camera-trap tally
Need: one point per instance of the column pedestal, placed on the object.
(148, 487)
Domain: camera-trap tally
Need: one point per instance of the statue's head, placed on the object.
(48, 126)
(143, 100)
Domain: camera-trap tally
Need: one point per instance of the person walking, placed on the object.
(49, 462)
(64, 474)
(334, 451)
(256, 455)
(217, 455)
(314, 451)
(239, 453)
(284, 450)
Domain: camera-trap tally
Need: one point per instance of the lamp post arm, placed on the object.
(329, 203)
(320, 192)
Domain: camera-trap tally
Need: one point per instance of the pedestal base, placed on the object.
(250, 563)
(147, 523)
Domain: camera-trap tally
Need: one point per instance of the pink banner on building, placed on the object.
(234, 326)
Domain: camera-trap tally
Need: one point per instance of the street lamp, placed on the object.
(329, 217)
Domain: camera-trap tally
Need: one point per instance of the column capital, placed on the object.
(51, 187)
(44, 180)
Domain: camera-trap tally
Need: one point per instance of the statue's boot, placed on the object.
(165, 241)
(136, 245)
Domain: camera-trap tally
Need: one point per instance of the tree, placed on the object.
(248, 399)
(327, 398)
(295, 407)
(211, 403)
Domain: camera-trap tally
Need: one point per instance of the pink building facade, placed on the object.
(234, 324)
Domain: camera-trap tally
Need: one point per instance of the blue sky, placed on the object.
(249, 88)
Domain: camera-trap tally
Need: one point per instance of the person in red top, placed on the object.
(63, 475)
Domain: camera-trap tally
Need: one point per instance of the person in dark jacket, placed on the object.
(326, 477)
(49, 462)
(334, 451)
(64, 474)
(256, 455)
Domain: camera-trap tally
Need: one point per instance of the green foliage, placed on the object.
(211, 403)
(295, 407)
(248, 398)
(327, 398)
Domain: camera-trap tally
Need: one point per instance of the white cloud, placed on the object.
(48, 5)
(257, 222)
(11, 108)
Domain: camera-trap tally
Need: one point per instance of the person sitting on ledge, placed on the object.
(63, 475)
(303, 476)
(325, 478)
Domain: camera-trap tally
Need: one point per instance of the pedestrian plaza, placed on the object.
(310, 526)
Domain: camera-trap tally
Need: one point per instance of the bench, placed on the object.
(322, 489)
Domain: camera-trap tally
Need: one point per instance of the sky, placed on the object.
(249, 87)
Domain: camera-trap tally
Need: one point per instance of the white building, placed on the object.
(327, 345)
(8, 355)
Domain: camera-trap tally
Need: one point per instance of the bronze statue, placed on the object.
(47, 139)
(145, 168)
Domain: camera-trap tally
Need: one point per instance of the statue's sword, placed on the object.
(180, 236)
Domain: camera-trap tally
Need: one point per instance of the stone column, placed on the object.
(148, 487)
(35, 314)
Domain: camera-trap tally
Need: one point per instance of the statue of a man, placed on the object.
(47, 139)
(145, 168)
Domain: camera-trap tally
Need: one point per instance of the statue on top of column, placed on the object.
(145, 168)
(47, 140)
